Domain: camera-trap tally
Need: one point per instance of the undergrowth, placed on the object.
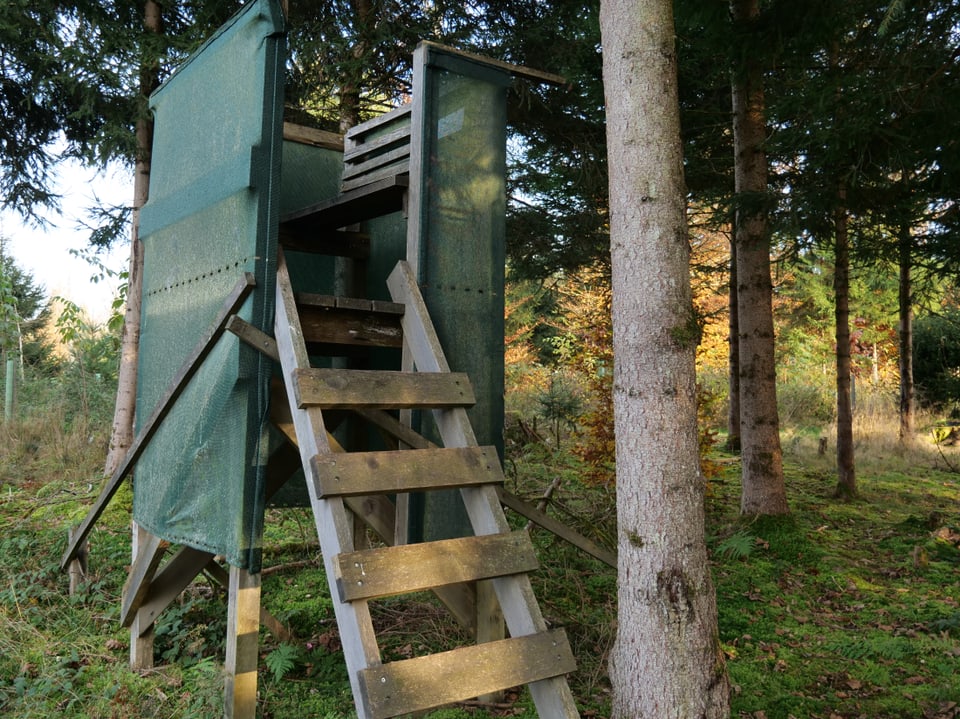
(838, 610)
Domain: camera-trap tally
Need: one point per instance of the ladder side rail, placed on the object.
(521, 611)
(333, 523)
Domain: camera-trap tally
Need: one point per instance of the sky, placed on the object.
(44, 252)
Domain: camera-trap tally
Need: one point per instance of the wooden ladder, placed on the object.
(337, 482)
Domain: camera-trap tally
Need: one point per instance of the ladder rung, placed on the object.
(335, 243)
(408, 470)
(365, 203)
(426, 682)
(407, 568)
(381, 389)
(349, 321)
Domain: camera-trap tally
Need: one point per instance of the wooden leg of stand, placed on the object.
(243, 627)
(78, 567)
(141, 637)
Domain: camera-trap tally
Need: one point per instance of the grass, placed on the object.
(839, 610)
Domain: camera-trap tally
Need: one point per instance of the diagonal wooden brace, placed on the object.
(193, 362)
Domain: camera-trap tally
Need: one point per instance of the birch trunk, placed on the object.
(121, 435)
(666, 662)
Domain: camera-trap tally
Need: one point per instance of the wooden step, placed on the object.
(406, 470)
(411, 685)
(336, 243)
(329, 320)
(376, 199)
(407, 568)
(381, 389)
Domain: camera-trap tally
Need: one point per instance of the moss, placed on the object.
(688, 333)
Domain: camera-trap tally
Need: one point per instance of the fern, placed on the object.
(950, 624)
(737, 546)
(283, 660)
(853, 648)
(881, 647)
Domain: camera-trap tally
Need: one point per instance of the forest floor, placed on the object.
(841, 609)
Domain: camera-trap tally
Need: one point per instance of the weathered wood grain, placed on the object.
(407, 470)
(426, 682)
(408, 568)
(381, 389)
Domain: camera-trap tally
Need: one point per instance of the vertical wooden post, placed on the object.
(77, 569)
(141, 637)
(243, 630)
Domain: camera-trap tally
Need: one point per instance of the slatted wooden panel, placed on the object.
(381, 389)
(391, 472)
(377, 149)
(427, 682)
(409, 568)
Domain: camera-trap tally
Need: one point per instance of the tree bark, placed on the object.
(121, 436)
(764, 490)
(353, 79)
(907, 390)
(733, 409)
(846, 472)
(666, 662)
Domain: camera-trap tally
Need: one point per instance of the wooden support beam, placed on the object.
(179, 383)
(256, 338)
(77, 568)
(170, 581)
(141, 638)
(395, 428)
(243, 639)
(312, 136)
(360, 647)
(150, 550)
(557, 527)
(523, 71)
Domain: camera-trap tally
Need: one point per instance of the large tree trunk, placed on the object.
(764, 491)
(906, 335)
(733, 409)
(847, 480)
(666, 662)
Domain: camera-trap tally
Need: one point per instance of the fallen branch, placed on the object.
(276, 569)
